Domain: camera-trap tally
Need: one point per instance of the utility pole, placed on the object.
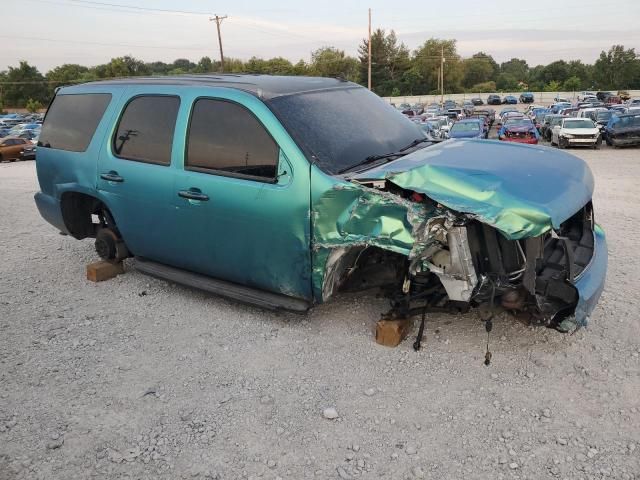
(442, 77)
(369, 65)
(218, 21)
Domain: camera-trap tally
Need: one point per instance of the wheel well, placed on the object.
(77, 210)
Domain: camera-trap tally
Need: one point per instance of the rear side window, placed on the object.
(145, 130)
(72, 120)
(227, 138)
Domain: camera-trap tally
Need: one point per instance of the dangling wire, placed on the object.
(416, 344)
(488, 324)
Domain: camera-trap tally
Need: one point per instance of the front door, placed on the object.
(242, 196)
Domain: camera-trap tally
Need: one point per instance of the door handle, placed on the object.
(193, 194)
(112, 176)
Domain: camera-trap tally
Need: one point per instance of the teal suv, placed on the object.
(282, 191)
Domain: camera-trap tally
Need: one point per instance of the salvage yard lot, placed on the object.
(138, 378)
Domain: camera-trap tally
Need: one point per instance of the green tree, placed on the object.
(426, 63)
(558, 71)
(279, 66)
(477, 69)
(390, 61)
(572, 84)
(517, 69)
(24, 82)
(618, 68)
(33, 105)
(332, 62)
(205, 65)
(484, 87)
(507, 82)
(553, 86)
(184, 64)
(122, 67)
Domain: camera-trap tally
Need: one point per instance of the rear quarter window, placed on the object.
(72, 120)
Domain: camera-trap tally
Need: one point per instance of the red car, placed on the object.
(519, 130)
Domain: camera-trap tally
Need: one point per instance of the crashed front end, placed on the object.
(445, 236)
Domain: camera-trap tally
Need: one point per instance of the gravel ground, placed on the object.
(138, 378)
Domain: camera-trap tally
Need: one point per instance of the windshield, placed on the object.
(603, 116)
(518, 121)
(579, 123)
(466, 127)
(343, 127)
(555, 121)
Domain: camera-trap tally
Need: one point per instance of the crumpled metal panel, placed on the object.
(522, 191)
(356, 215)
(349, 215)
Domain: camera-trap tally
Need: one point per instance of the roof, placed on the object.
(264, 86)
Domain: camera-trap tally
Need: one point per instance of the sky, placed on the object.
(47, 33)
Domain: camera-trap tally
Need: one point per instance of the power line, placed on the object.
(40, 39)
(134, 7)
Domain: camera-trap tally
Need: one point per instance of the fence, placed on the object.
(544, 98)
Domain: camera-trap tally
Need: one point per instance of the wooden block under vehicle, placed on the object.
(103, 270)
(391, 332)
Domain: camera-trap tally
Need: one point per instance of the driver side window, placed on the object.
(225, 138)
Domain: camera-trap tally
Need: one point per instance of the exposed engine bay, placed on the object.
(463, 263)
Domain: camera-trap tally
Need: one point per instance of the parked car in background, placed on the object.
(510, 100)
(477, 101)
(623, 130)
(569, 111)
(28, 152)
(527, 97)
(550, 121)
(581, 132)
(494, 99)
(613, 100)
(602, 96)
(602, 118)
(582, 96)
(634, 101)
(520, 130)
(468, 128)
(12, 148)
(624, 95)
(559, 99)
(590, 112)
(559, 105)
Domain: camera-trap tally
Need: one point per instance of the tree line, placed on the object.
(395, 71)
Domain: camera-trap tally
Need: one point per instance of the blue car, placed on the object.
(471, 128)
(510, 100)
(526, 97)
(556, 107)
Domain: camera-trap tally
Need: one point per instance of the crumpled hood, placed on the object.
(523, 191)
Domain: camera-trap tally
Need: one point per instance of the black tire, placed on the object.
(598, 143)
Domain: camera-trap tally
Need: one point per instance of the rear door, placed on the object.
(135, 176)
(241, 198)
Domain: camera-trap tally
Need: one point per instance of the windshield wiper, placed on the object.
(374, 158)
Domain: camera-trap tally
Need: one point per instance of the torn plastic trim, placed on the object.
(456, 272)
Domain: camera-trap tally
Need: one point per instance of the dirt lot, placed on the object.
(137, 378)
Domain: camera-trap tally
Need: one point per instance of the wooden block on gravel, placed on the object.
(103, 270)
(391, 332)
